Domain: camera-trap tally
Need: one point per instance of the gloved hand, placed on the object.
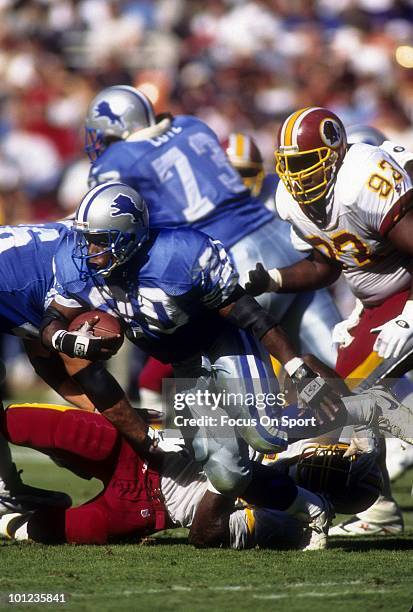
(83, 344)
(395, 333)
(315, 392)
(364, 447)
(340, 336)
(263, 281)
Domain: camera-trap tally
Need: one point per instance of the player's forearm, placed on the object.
(278, 344)
(306, 275)
(128, 422)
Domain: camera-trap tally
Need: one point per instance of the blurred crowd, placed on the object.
(237, 64)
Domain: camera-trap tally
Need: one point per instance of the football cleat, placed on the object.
(315, 536)
(390, 415)
(357, 527)
(15, 496)
(383, 518)
(11, 523)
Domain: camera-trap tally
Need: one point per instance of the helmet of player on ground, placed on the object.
(113, 217)
(114, 114)
(365, 133)
(311, 147)
(246, 158)
(352, 483)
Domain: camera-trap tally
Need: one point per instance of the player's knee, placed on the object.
(229, 483)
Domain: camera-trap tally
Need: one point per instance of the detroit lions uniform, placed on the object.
(168, 295)
(26, 282)
(186, 179)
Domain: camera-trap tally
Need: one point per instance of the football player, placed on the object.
(349, 209)
(178, 296)
(140, 498)
(179, 168)
(302, 311)
(26, 288)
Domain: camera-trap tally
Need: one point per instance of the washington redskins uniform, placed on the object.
(371, 193)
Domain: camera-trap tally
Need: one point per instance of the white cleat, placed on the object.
(315, 536)
(358, 527)
(383, 518)
(392, 416)
(10, 524)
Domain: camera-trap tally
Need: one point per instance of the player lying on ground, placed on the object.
(140, 498)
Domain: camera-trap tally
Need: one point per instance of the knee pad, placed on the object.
(86, 524)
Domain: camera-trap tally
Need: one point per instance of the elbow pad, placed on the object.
(52, 314)
(248, 314)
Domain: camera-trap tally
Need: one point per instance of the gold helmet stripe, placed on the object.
(291, 126)
(242, 146)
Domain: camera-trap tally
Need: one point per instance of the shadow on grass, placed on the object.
(372, 543)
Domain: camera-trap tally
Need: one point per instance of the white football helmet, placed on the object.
(365, 133)
(115, 217)
(114, 114)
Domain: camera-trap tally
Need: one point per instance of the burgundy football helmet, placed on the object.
(246, 158)
(312, 144)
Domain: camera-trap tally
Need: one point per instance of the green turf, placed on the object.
(357, 574)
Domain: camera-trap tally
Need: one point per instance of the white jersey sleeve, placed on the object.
(386, 193)
(397, 152)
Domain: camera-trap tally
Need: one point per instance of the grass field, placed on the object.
(356, 574)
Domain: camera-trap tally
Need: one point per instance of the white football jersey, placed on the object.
(371, 193)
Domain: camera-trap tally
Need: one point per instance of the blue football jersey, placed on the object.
(167, 295)
(186, 179)
(26, 280)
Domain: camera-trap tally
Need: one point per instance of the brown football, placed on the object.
(108, 325)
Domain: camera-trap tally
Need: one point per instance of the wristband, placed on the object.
(71, 344)
(276, 279)
(407, 312)
(292, 366)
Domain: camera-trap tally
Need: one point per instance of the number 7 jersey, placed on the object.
(185, 178)
(371, 194)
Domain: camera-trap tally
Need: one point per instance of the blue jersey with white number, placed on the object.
(186, 179)
(167, 295)
(26, 279)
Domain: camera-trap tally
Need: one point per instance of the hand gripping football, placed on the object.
(107, 325)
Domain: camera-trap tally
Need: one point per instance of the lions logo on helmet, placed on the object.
(103, 110)
(124, 205)
(114, 216)
(114, 114)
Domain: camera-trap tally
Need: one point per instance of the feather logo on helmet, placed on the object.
(123, 205)
(331, 133)
(103, 110)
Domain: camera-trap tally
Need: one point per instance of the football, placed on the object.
(108, 325)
